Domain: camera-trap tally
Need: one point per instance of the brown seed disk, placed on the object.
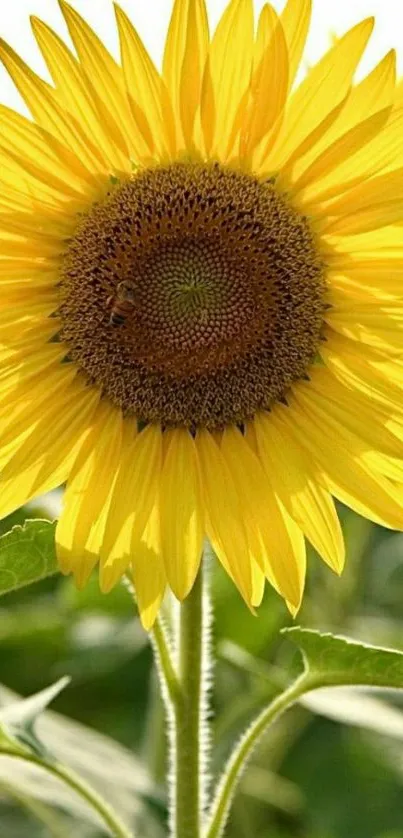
(227, 296)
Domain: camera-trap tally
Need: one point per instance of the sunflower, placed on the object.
(201, 330)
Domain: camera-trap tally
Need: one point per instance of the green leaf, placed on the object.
(110, 768)
(9, 743)
(27, 554)
(331, 660)
(17, 720)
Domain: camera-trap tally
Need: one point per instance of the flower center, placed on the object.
(193, 295)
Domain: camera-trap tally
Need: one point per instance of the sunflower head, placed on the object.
(203, 337)
(219, 288)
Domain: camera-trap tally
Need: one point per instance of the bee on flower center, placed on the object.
(122, 305)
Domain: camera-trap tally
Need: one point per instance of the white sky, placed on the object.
(151, 17)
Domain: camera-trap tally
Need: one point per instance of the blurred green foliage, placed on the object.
(311, 778)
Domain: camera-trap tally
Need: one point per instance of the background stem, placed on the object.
(116, 827)
(39, 811)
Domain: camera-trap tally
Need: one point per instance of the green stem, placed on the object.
(188, 721)
(185, 683)
(243, 751)
(111, 819)
(163, 654)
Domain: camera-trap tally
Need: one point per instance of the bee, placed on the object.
(123, 303)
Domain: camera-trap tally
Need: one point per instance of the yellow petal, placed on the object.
(377, 190)
(194, 61)
(379, 326)
(105, 79)
(370, 279)
(88, 489)
(28, 279)
(45, 440)
(295, 20)
(346, 475)
(15, 246)
(29, 341)
(363, 222)
(258, 583)
(28, 310)
(146, 90)
(181, 512)
(114, 561)
(359, 416)
(297, 539)
(33, 366)
(379, 401)
(227, 75)
(148, 572)
(116, 536)
(136, 486)
(322, 91)
(40, 154)
(383, 243)
(223, 514)
(76, 95)
(138, 547)
(27, 268)
(47, 111)
(38, 224)
(22, 189)
(357, 367)
(269, 83)
(356, 301)
(382, 151)
(318, 176)
(373, 94)
(268, 536)
(297, 480)
(185, 56)
(371, 204)
(30, 331)
(19, 408)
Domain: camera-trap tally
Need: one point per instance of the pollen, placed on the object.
(227, 302)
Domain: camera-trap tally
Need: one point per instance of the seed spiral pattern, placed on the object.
(229, 294)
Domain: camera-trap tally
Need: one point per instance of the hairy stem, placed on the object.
(187, 759)
(184, 676)
(242, 752)
(163, 653)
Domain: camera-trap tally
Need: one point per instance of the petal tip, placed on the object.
(108, 578)
(147, 620)
(293, 609)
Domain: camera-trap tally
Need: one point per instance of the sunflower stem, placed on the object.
(163, 653)
(186, 803)
(242, 753)
(184, 675)
(191, 732)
